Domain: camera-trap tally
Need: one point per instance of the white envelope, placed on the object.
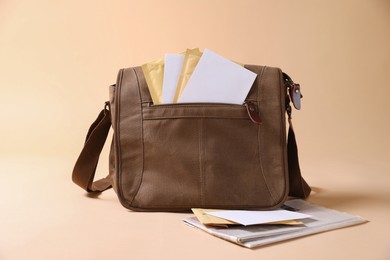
(218, 80)
(172, 68)
(247, 217)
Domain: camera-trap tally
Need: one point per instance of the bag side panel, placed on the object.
(272, 137)
(128, 136)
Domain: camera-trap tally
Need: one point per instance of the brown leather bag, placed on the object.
(174, 157)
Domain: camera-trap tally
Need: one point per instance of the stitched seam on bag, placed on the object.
(193, 111)
(260, 134)
(210, 117)
(181, 207)
(142, 139)
(118, 139)
(201, 174)
(204, 163)
(283, 132)
(199, 105)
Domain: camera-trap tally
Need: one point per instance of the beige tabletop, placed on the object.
(58, 58)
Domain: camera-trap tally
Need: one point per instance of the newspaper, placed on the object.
(322, 219)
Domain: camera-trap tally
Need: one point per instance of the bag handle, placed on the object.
(85, 167)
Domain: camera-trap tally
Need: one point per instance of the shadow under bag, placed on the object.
(174, 157)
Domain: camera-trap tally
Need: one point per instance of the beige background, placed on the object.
(58, 57)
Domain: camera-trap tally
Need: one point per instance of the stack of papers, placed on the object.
(257, 228)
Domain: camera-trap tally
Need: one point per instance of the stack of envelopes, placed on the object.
(193, 76)
(213, 217)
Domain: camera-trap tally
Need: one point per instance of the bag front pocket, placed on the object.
(198, 155)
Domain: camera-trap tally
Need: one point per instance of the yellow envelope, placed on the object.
(154, 73)
(286, 222)
(191, 59)
(210, 220)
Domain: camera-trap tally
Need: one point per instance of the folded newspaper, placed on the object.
(322, 219)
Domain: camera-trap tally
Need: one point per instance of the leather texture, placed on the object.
(175, 157)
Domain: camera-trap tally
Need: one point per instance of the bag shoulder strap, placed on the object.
(85, 167)
(298, 186)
